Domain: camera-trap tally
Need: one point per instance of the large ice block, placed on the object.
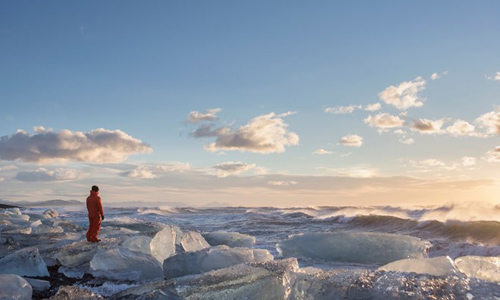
(358, 247)
(39, 228)
(122, 264)
(138, 243)
(193, 241)
(213, 258)
(24, 262)
(14, 287)
(437, 266)
(37, 284)
(253, 281)
(231, 239)
(485, 268)
(163, 243)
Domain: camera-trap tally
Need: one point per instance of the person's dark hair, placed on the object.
(95, 188)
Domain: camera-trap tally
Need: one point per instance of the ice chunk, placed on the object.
(24, 262)
(39, 228)
(72, 292)
(26, 230)
(163, 243)
(74, 272)
(138, 244)
(37, 284)
(231, 239)
(358, 247)
(437, 266)
(14, 287)
(193, 241)
(268, 280)
(485, 268)
(211, 259)
(123, 264)
(77, 253)
(50, 213)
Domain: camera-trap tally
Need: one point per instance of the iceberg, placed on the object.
(267, 280)
(122, 264)
(72, 292)
(357, 247)
(231, 239)
(14, 287)
(24, 262)
(213, 258)
(193, 241)
(485, 268)
(138, 244)
(163, 243)
(437, 266)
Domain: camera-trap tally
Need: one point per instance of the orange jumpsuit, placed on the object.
(94, 206)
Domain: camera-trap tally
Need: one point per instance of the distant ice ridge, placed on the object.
(357, 247)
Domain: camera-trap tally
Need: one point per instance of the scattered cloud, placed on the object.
(407, 141)
(322, 152)
(282, 183)
(42, 174)
(263, 134)
(209, 115)
(354, 172)
(8, 168)
(352, 140)
(384, 121)
(97, 146)
(342, 110)
(154, 171)
(373, 107)
(428, 126)
(493, 155)
(461, 128)
(232, 168)
(468, 161)
(495, 77)
(405, 95)
(490, 122)
(436, 76)
(209, 130)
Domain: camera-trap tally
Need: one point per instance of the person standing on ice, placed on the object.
(96, 214)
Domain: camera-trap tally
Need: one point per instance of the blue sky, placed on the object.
(282, 90)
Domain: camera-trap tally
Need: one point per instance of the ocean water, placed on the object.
(452, 230)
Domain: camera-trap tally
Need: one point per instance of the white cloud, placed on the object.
(495, 77)
(209, 115)
(352, 140)
(8, 168)
(263, 134)
(384, 121)
(490, 122)
(282, 183)
(461, 128)
(431, 163)
(399, 131)
(154, 171)
(42, 174)
(209, 130)
(260, 171)
(405, 95)
(468, 161)
(322, 151)
(436, 76)
(342, 110)
(373, 107)
(232, 168)
(97, 146)
(428, 126)
(355, 172)
(493, 155)
(407, 141)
